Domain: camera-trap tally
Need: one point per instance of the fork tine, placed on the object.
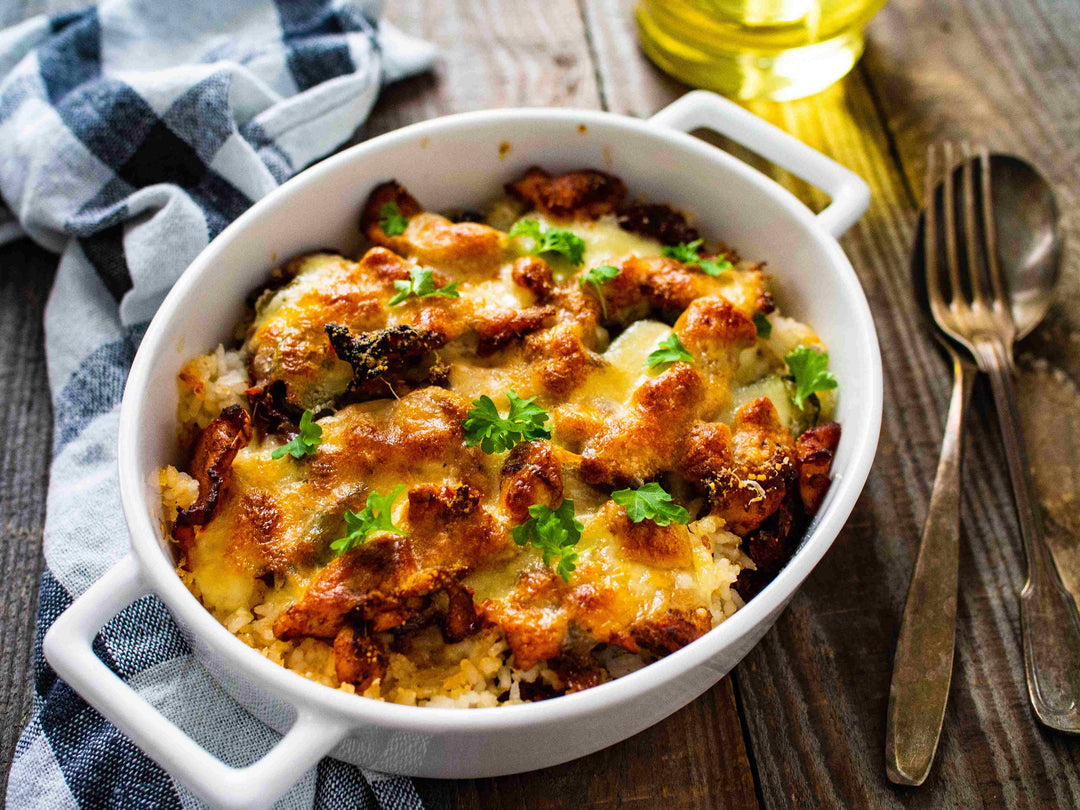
(1001, 301)
(957, 299)
(971, 234)
(933, 281)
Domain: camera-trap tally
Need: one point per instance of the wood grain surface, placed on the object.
(801, 722)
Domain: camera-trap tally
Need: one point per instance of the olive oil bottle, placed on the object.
(776, 49)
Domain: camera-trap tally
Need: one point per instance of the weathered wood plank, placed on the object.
(501, 53)
(26, 424)
(694, 759)
(815, 690)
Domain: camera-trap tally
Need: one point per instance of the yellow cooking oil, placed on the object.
(776, 49)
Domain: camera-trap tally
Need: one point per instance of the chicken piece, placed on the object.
(579, 672)
(270, 413)
(645, 442)
(389, 578)
(214, 453)
(814, 453)
(507, 326)
(288, 342)
(659, 284)
(530, 475)
(562, 354)
(357, 658)
(584, 194)
(672, 630)
(657, 221)
(647, 543)
(460, 620)
(770, 547)
(377, 581)
(747, 470)
(714, 331)
(466, 247)
(533, 274)
(532, 616)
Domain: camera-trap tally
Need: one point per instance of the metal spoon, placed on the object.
(1029, 253)
(1024, 233)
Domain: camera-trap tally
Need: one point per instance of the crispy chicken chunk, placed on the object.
(747, 470)
(468, 247)
(585, 194)
(640, 445)
(814, 451)
(388, 579)
(658, 221)
(530, 475)
(214, 453)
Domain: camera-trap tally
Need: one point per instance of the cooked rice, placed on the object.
(208, 384)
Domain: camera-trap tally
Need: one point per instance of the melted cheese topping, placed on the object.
(615, 421)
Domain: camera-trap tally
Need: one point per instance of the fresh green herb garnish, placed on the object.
(566, 243)
(304, 442)
(715, 267)
(421, 284)
(685, 252)
(650, 502)
(597, 277)
(485, 427)
(554, 532)
(671, 351)
(374, 517)
(764, 327)
(391, 220)
(688, 253)
(808, 369)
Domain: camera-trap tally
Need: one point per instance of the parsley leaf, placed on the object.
(391, 220)
(808, 368)
(763, 325)
(554, 532)
(374, 517)
(421, 284)
(687, 253)
(566, 243)
(485, 427)
(650, 502)
(715, 267)
(597, 277)
(304, 442)
(671, 351)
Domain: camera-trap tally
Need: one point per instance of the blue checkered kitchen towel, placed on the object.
(131, 134)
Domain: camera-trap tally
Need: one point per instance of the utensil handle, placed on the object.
(1049, 622)
(922, 666)
(700, 108)
(68, 648)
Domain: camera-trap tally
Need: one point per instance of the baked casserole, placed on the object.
(501, 456)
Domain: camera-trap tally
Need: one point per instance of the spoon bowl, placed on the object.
(1029, 240)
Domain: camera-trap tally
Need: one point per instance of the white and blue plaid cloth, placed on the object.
(131, 134)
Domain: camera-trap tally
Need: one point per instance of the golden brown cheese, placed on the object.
(520, 323)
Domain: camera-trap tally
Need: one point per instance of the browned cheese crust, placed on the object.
(392, 406)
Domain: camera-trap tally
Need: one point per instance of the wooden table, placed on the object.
(802, 719)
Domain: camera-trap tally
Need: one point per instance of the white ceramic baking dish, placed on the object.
(448, 162)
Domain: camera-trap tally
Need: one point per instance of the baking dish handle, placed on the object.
(68, 648)
(700, 108)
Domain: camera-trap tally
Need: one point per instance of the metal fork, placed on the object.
(923, 662)
(976, 312)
